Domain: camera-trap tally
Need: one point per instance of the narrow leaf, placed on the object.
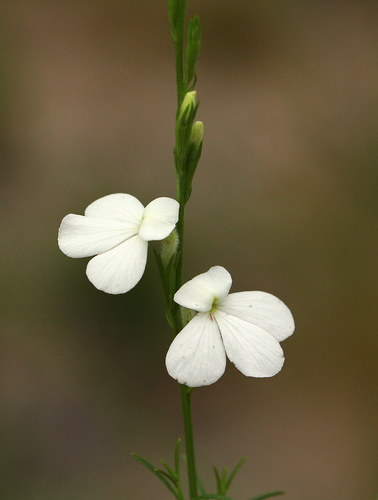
(202, 487)
(223, 480)
(267, 495)
(171, 473)
(213, 496)
(166, 474)
(233, 473)
(156, 472)
(218, 479)
(177, 457)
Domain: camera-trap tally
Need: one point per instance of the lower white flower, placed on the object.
(247, 326)
(116, 229)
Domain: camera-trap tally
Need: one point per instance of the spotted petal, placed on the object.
(159, 219)
(196, 356)
(118, 270)
(253, 350)
(261, 309)
(202, 291)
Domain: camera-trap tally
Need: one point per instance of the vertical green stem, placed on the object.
(180, 250)
(186, 393)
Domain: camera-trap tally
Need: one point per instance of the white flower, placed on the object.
(116, 228)
(247, 326)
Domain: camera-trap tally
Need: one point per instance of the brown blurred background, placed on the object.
(285, 198)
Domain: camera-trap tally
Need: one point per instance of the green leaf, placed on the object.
(233, 473)
(201, 486)
(223, 481)
(171, 473)
(167, 475)
(177, 457)
(157, 473)
(218, 479)
(267, 495)
(213, 496)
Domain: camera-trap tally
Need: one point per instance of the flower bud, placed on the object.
(188, 102)
(169, 247)
(196, 134)
(186, 315)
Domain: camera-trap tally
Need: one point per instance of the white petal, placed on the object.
(253, 351)
(119, 269)
(201, 292)
(159, 219)
(196, 357)
(261, 309)
(81, 236)
(117, 207)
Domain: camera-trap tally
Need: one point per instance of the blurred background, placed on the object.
(285, 198)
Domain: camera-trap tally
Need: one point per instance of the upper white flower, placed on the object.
(116, 228)
(247, 326)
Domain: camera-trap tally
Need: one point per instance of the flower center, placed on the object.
(214, 307)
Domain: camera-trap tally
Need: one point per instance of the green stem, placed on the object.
(180, 250)
(179, 25)
(186, 393)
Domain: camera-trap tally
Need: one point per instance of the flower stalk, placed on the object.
(187, 153)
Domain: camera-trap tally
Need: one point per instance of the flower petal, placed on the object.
(200, 292)
(261, 309)
(81, 236)
(119, 269)
(196, 357)
(159, 219)
(117, 207)
(253, 350)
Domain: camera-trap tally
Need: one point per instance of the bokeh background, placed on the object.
(285, 198)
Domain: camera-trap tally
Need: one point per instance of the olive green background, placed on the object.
(285, 198)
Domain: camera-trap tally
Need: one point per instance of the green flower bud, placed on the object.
(169, 247)
(187, 315)
(196, 134)
(188, 103)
